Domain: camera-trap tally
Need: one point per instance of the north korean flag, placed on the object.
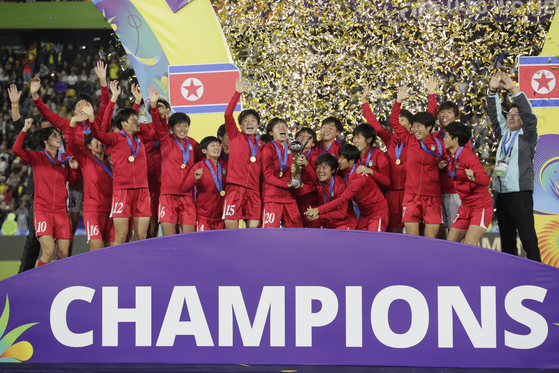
(538, 77)
(202, 89)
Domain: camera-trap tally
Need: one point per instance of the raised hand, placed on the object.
(137, 93)
(27, 124)
(34, 88)
(101, 71)
(240, 84)
(87, 111)
(115, 89)
(508, 83)
(73, 163)
(14, 94)
(495, 81)
(153, 93)
(403, 94)
(431, 85)
(82, 117)
(366, 93)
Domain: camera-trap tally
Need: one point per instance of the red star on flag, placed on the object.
(543, 81)
(191, 88)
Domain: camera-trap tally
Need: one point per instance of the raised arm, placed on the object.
(27, 155)
(494, 109)
(76, 149)
(106, 138)
(384, 134)
(145, 129)
(404, 134)
(431, 85)
(55, 119)
(230, 125)
(14, 99)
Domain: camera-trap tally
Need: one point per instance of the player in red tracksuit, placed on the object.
(98, 187)
(362, 190)
(209, 176)
(278, 195)
(465, 169)
(327, 186)
(130, 184)
(307, 135)
(447, 112)
(373, 162)
(51, 173)
(179, 153)
(242, 198)
(330, 129)
(398, 156)
(422, 198)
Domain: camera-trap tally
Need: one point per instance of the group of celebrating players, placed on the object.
(137, 176)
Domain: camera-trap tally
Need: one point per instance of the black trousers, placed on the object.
(515, 212)
(32, 247)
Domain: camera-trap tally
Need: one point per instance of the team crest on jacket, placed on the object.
(432, 148)
(370, 164)
(189, 147)
(224, 171)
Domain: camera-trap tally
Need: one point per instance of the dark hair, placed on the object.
(425, 118)
(509, 107)
(164, 102)
(449, 105)
(329, 160)
(271, 124)
(41, 135)
(83, 96)
(221, 131)
(336, 121)
(88, 139)
(366, 131)
(206, 141)
(246, 112)
(266, 138)
(349, 152)
(406, 114)
(310, 131)
(178, 118)
(122, 116)
(462, 132)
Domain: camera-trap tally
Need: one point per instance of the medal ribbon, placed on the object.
(62, 161)
(368, 158)
(439, 154)
(156, 144)
(351, 173)
(453, 173)
(398, 149)
(85, 131)
(307, 153)
(218, 182)
(326, 150)
(252, 150)
(130, 143)
(185, 153)
(330, 193)
(283, 161)
(223, 155)
(508, 151)
(109, 169)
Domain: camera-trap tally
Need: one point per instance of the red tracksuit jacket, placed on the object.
(209, 203)
(274, 187)
(471, 193)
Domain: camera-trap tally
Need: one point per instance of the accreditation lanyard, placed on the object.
(331, 193)
(134, 153)
(106, 167)
(62, 161)
(253, 150)
(85, 131)
(283, 161)
(432, 151)
(508, 151)
(218, 179)
(398, 150)
(452, 173)
(368, 163)
(351, 173)
(320, 147)
(185, 153)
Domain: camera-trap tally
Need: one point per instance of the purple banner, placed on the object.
(286, 296)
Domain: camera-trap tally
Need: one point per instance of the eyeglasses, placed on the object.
(512, 115)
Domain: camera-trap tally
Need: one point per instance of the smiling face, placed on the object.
(249, 124)
(344, 163)
(405, 123)
(328, 131)
(132, 125)
(181, 130)
(362, 142)
(280, 131)
(450, 143)
(420, 131)
(213, 150)
(513, 119)
(96, 146)
(303, 137)
(445, 117)
(323, 172)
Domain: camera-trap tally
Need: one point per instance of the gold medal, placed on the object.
(398, 161)
(183, 165)
(281, 174)
(131, 159)
(253, 159)
(222, 193)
